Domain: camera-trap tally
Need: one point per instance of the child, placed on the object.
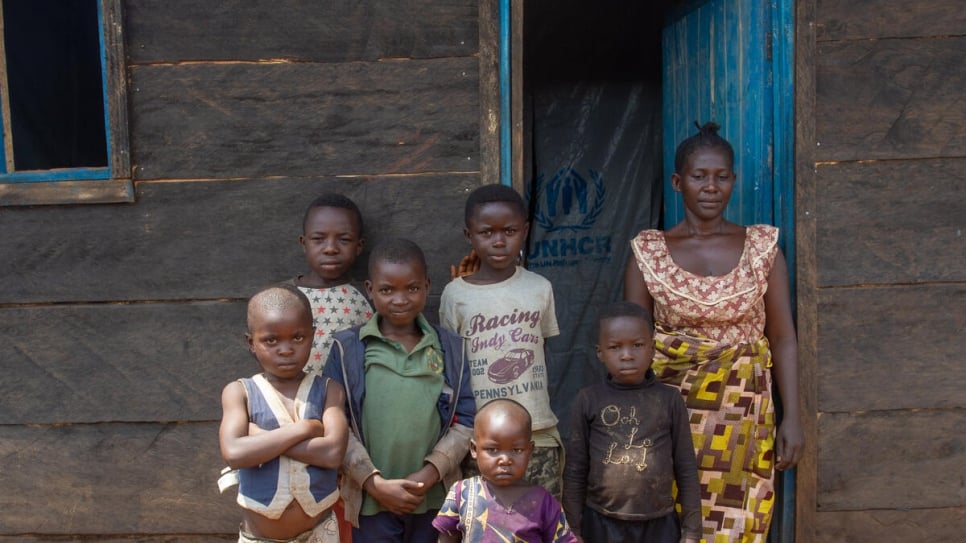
(331, 241)
(498, 505)
(504, 313)
(283, 430)
(629, 441)
(409, 403)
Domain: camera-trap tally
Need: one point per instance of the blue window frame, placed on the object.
(63, 103)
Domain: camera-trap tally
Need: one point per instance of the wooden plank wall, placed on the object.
(882, 252)
(120, 324)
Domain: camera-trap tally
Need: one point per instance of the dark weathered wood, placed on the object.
(489, 91)
(517, 106)
(878, 19)
(891, 99)
(892, 348)
(900, 526)
(806, 273)
(891, 222)
(98, 191)
(114, 479)
(217, 239)
(892, 459)
(329, 31)
(120, 362)
(282, 119)
(117, 104)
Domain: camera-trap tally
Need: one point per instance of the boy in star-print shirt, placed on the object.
(331, 241)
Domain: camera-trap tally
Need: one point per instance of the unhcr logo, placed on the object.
(569, 201)
(568, 206)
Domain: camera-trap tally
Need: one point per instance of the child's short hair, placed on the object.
(281, 296)
(624, 309)
(505, 404)
(397, 251)
(707, 136)
(493, 193)
(336, 200)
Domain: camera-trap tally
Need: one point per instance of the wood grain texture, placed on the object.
(94, 191)
(330, 31)
(881, 19)
(891, 222)
(890, 460)
(867, 361)
(212, 240)
(120, 362)
(113, 479)
(896, 526)
(893, 98)
(117, 103)
(489, 91)
(806, 273)
(283, 119)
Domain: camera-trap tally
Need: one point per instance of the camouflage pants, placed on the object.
(544, 470)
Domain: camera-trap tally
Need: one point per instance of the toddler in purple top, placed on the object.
(499, 505)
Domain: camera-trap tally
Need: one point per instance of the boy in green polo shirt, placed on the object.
(409, 403)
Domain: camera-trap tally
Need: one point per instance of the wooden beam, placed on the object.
(293, 30)
(806, 269)
(5, 104)
(489, 91)
(890, 99)
(516, 95)
(120, 479)
(93, 191)
(117, 103)
(861, 356)
(890, 222)
(880, 19)
(891, 460)
(892, 526)
(305, 119)
(205, 240)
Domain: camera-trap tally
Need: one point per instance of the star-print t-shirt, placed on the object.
(333, 309)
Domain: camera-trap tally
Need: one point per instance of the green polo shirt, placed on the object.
(400, 420)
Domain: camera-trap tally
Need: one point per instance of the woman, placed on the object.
(720, 298)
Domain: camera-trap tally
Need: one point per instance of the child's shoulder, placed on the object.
(348, 287)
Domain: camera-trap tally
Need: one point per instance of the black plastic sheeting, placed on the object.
(597, 179)
(593, 88)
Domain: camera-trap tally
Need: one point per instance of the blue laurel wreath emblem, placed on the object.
(565, 196)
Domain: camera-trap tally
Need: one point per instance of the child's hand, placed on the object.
(399, 496)
(427, 476)
(312, 428)
(469, 265)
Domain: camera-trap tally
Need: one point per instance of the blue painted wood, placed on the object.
(731, 61)
(104, 87)
(716, 68)
(66, 174)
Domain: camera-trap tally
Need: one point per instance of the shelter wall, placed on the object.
(120, 324)
(882, 268)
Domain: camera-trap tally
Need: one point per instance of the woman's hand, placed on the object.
(789, 444)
